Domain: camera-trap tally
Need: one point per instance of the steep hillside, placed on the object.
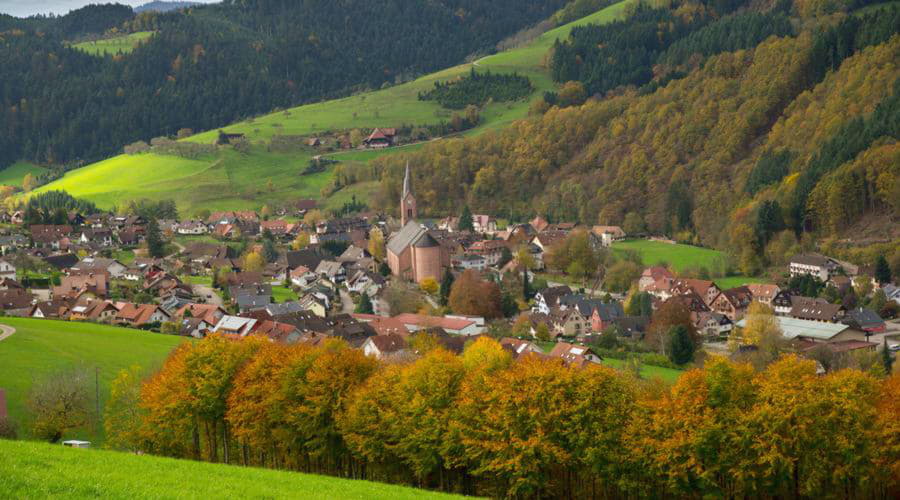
(228, 179)
(31, 470)
(676, 155)
(213, 64)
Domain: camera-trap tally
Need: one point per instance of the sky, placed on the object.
(23, 8)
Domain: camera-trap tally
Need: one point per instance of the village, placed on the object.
(379, 283)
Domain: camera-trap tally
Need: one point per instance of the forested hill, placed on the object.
(719, 123)
(211, 65)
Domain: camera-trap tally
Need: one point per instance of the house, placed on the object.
(548, 239)
(192, 227)
(484, 224)
(284, 309)
(276, 331)
(365, 281)
(112, 267)
(77, 285)
(733, 302)
(16, 302)
(783, 302)
(234, 325)
(714, 324)
(383, 325)
(538, 224)
(632, 326)
(332, 270)
(866, 320)
(464, 262)
(763, 293)
(62, 261)
(653, 274)
(137, 315)
(569, 322)
(302, 277)
(100, 236)
(458, 326)
(197, 328)
(49, 235)
(315, 303)
(384, 346)
(519, 347)
(707, 290)
(7, 270)
(816, 311)
(413, 253)
(491, 250)
(815, 265)
(814, 331)
(252, 297)
(548, 298)
(380, 138)
(608, 234)
(892, 292)
(94, 310)
(57, 308)
(209, 313)
(575, 355)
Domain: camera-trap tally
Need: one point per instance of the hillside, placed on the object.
(676, 155)
(31, 470)
(114, 45)
(210, 65)
(40, 348)
(231, 180)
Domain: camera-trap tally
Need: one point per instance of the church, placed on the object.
(413, 253)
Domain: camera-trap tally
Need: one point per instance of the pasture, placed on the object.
(38, 470)
(114, 45)
(41, 348)
(15, 173)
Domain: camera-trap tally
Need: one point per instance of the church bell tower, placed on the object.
(407, 201)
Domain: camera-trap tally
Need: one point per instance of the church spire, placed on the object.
(406, 189)
(407, 201)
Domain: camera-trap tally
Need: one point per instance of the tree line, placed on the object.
(212, 65)
(481, 423)
(477, 88)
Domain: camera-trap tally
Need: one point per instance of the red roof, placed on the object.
(431, 321)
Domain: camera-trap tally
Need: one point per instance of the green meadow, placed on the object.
(229, 180)
(38, 470)
(114, 45)
(41, 348)
(15, 173)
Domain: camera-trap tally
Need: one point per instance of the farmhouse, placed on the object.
(383, 346)
(814, 331)
(380, 138)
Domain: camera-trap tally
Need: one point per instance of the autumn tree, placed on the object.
(670, 314)
(29, 183)
(253, 262)
(376, 244)
(300, 242)
(429, 286)
(123, 417)
(472, 295)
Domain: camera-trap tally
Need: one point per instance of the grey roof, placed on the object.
(426, 241)
(813, 260)
(275, 310)
(408, 235)
(792, 328)
(863, 317)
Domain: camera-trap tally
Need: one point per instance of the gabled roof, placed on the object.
(388, 343)
(407, 236)
(792, 328)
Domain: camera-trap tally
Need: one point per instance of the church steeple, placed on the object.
(407, 200)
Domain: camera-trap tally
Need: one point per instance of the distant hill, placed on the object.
(218, 63)
(162, 6)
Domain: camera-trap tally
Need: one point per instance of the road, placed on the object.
(347, 305)
(6, 331)
(208, 293)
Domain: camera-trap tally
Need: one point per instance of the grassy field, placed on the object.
(283, 294)
(40, 348)
(15, 173)
(114, 45)
(683, 257)
(228, 180)
(233, 181)
(38, 470)
(647, 371)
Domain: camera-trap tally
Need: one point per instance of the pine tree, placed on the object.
(882, 270)
(465, 220)
(446, 286)
(680, 348)
(155, 245)
(365, 305)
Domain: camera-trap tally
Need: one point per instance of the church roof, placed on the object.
(408, 235)
(426, 241)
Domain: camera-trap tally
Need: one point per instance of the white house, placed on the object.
(7, 270)
(477, 262)
(192, 227)
(814, 265)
